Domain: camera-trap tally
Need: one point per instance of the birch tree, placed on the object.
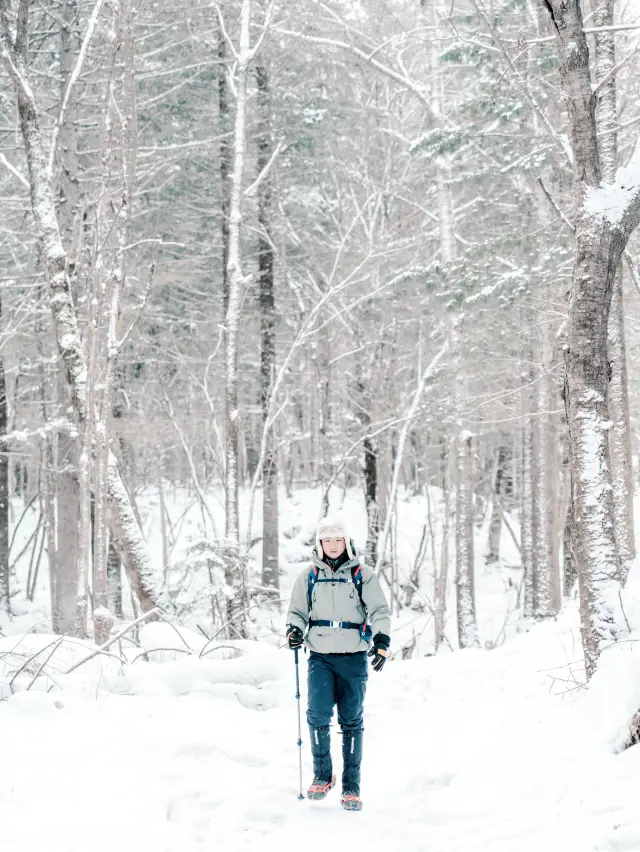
(620, 434)
(14, 54)
(66, 521)
(607, 215)
(237, 281)
(5, 579)
(266, 283)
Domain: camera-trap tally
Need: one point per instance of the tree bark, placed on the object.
(492, 555)
(114, 578)
(266, 256)
(226, 163)
(601, 234)
(371, 499)
(235, 569)
(620, 434)
(66, 484)
(442, 572)
(527, 522)
(547, 578)
(5, 580)
(465, 579)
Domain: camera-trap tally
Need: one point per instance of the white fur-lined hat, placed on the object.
(332, 528)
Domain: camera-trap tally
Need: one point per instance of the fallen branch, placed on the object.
(145, 615)
(147, 651)
(32, 658)
(56, 645)
(236, 616)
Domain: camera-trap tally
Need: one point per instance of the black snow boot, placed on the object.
(321, 751)
(351, 760)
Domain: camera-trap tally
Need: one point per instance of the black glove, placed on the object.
(379, 651)
(294, 637)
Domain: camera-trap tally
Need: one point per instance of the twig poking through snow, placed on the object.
(55, 647)
(145, 615)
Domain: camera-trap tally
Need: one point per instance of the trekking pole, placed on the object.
(301, 796)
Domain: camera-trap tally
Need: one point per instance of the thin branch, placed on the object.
(225, 34)
(235, 617)
(613, 28)
(265, 28)
(571, 226)
(249, 191)
(412, 412)
(141, 309)
(614, 70)
(30, 660)
(147, 651)
(368, 58)
(15, 172)
(512, 67)
(145, 615)
(75, 74)
(55, 647)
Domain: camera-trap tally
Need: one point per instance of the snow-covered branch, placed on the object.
(618, 203)
(399, 456)
(75, 74)
(14, 171)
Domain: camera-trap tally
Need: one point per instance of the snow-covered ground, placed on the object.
(499, 750)
(469, 751)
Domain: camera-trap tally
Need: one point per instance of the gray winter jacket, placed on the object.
(338, 602)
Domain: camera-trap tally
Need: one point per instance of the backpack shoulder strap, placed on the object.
(356, 576)
(311, 581)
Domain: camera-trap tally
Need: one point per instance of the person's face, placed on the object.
(333, 547)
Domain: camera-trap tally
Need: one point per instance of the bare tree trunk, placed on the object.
(465, 580)
(114, 577)
(546, 583)
(120, 166)
(620, 435)
(69, 532)
(235, 568)
(84, 533)
(371, 499)
(601, 235)
(527, 524)
(5, 585)
(569, 572)
(492, 555)
(226, 162)
(270, 578)
(442, 573)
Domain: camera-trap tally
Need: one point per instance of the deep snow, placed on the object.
(468, 751)
(499, 750)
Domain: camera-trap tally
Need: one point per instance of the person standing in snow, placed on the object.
(340, 605)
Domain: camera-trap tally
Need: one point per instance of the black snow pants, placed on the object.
(337, 679)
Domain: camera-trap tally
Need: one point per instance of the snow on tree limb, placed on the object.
(618, 203)
(75, 74)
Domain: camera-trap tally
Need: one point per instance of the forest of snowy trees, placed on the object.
(249, 247)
